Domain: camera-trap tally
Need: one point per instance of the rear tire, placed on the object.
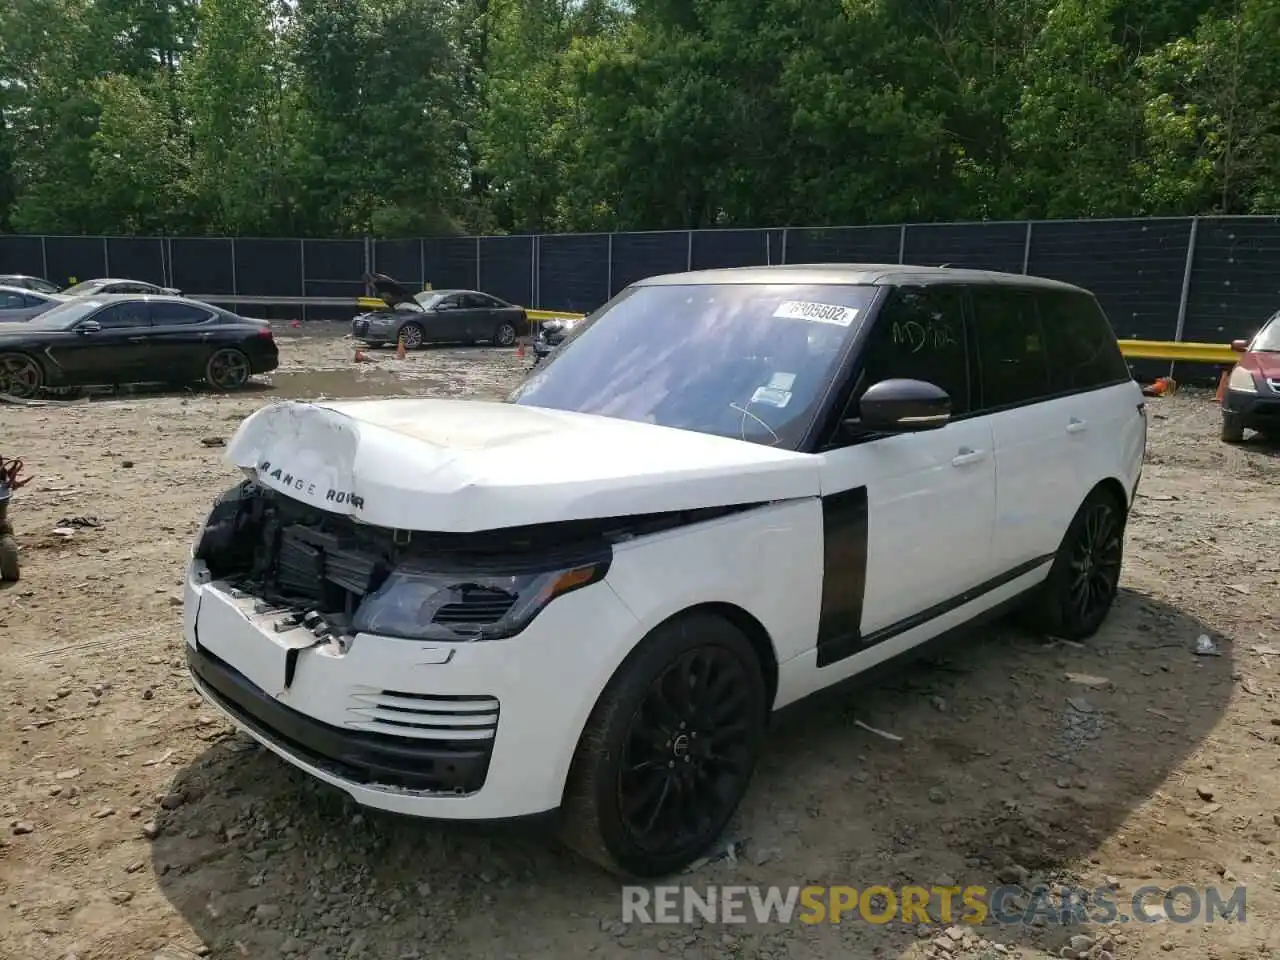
(1232, 427)
(505, 335)
(9, 568)
(227, 369)
(1076, 597)
(669, 749)
(21, 376)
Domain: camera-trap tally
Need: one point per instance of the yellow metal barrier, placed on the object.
(1216, 353)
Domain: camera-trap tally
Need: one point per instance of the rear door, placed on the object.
(1035, 476)
(181, 338)
(119, 352)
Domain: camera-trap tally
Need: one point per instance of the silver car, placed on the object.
(18, 304)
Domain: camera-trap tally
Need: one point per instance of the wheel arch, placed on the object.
(1114, 488)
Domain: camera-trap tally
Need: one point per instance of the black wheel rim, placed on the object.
(506, 335)
(228, 369)
(19, 377)
(1095, 562)
(687, 752)
(411, 337)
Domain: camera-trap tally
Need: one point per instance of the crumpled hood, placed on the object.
(468, 465)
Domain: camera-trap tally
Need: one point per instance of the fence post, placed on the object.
(784, 246)
(478, 263)
(768, 249)
(1026, 250)
(1186, 280)
(44, 258)
(689, 253)
(106, 259)
(235, 288)
(902, 243)
(302, 268)
(533, 271)
(608, 293)
(422, 263)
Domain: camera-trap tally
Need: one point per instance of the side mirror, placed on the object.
(902, 406)
(1240, 346)
(89, 326)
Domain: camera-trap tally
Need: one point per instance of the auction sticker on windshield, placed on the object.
(817, 312)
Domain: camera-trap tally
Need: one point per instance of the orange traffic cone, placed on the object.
(520, 351)
(400, 352)
(1222, 384)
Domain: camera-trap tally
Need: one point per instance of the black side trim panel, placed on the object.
(846, 644)
(844, 574)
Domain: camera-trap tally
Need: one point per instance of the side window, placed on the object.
(11, 301)
(168, 314)
(1012, 360)
(449, 303)
(132, 313)
(1082, 347)
(919, 335)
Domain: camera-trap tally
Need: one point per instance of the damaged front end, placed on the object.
(338, 578)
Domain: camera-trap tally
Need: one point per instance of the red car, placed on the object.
(1252, 397)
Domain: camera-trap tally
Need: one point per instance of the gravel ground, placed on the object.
(136, 824)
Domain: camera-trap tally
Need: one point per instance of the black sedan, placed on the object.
(438, 316)
(108, 340)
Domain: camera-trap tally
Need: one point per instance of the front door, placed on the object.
(450, 321)
(118, 352)
(907, 518)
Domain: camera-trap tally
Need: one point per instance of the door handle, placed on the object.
(1077, 426)
(967, 455)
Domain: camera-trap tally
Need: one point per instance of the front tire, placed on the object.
(411, 336)
(1232, 427)
(1083, 582)
(21, 376)
(669, 749)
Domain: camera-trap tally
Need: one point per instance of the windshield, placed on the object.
(80, 288)
(427, 298)
(64, 315)
(1268, 338)
(749, 361)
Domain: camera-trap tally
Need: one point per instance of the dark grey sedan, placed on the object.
(438, 316)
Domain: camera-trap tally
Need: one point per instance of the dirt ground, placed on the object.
(137, 825)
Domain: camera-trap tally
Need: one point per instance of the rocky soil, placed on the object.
(136, 824)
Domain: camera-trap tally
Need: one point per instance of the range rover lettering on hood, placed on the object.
(288, 481)
(461, 466)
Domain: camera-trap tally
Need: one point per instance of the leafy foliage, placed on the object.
(409, 117)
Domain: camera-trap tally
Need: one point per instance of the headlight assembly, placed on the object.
(420, 604)
(1241, 380)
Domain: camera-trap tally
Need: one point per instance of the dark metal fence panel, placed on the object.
(83, 258)
(1135, 268)
(507, 268)
(202, 266)
(974, 246)
(1235, 278)
(21, 255)
(333, 268)
(640, 255)
(844, 245)
(729, 248)
(268, 268)
(136, 258)
(401, 259)
(451, 262)
(573, 272)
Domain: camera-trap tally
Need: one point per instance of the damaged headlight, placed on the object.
(420, 604)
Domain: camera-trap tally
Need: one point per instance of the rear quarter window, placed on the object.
(1082, 348)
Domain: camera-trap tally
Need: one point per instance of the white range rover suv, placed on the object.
(725, 491)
